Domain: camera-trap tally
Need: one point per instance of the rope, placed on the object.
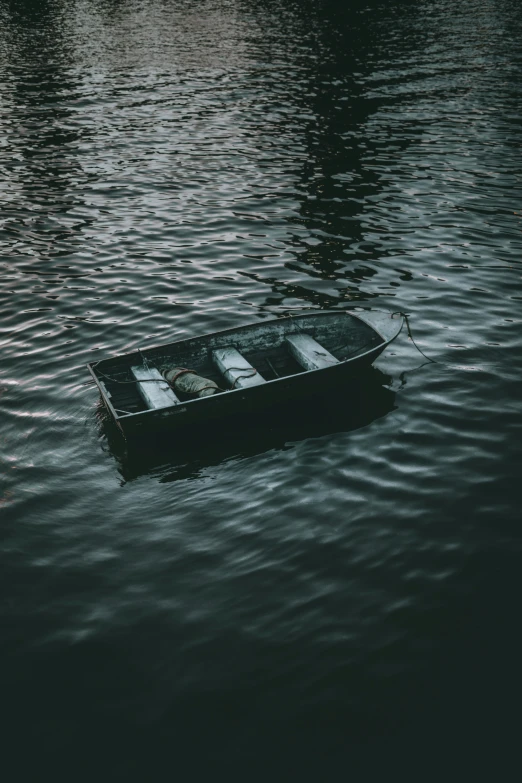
(184, 371)
(144, 360)
(272, 367)
(240, 376)
(410, 335)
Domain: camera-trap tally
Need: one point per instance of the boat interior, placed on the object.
(234, 359)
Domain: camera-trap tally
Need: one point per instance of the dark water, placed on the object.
(332, 593)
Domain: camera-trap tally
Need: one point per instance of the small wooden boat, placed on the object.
(240, 370)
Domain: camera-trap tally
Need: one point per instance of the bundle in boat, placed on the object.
(189, 382)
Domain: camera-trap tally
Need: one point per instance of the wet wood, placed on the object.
(236, 369)
(309, 353)
(155, 395)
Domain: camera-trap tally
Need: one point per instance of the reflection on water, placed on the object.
(326, 579)
(186, 453)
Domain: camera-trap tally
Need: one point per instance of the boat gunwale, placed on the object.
(305, 373)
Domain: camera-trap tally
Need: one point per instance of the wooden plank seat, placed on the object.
(309, 353)
(236, 369)
(155, 395)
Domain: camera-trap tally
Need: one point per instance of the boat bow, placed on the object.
(387, 325)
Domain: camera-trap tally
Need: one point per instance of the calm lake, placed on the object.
(331, 592)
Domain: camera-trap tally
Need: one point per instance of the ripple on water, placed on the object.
(176, 170)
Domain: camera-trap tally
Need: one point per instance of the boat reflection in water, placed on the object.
(185, 453)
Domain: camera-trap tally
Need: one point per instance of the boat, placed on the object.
(240, 370)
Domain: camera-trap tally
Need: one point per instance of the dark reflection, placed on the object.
(43, 166)
(355, 405)
(326, 52)
(340, 184)
(308, 296)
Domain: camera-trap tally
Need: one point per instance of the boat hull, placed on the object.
(237, 403)
(243, 402)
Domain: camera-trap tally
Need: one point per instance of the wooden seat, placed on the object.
(309, 353)
(236, 369)
(155, 395)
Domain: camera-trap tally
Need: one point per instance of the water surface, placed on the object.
(335, 589)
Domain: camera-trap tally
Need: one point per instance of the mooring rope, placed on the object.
(410, 335)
